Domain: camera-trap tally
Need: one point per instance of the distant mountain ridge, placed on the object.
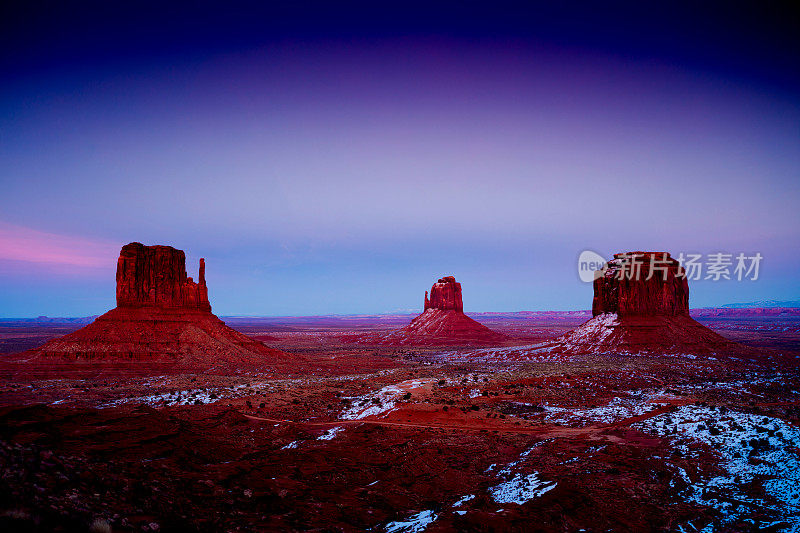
(52, 320)
(767, 304)
(764, 304)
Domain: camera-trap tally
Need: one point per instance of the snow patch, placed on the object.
(752, 448)
(521, 489)
(635, 404)
(464, 500)
(331, 433)
(381, 401)
(413, 524)
(168, 399)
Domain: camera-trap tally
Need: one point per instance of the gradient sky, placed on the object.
(339, 160)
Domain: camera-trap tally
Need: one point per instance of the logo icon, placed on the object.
(590, 266)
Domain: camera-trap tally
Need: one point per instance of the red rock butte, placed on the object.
(162, 315)
(641, 304)
(641, 284)
(156, 276)
(443, 321)
(445, 295)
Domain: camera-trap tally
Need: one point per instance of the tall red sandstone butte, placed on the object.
(641, 304)
(641, 284)
(443, 321)
(445, 295)
(162, 315)
(156, 276)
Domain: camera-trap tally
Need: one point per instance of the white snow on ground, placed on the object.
(530, 352)
(183, 397)
(331, 433)
(191, 396)
(756, 378)
(510, 466)
(291, 445)
(635, 404)
(594, 331)
(464, 500)
(521, 489)
(751, 448)
(381, 401)
(413, 524)
(205, 395)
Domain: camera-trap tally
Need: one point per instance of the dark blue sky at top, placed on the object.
(338, 157)
(752, 40)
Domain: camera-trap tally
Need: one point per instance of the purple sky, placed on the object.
(345, 173)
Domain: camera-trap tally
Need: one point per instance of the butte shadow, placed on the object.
(442, 322)
(162, 317)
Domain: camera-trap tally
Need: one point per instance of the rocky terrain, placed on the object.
(342, 435)
(412, 441)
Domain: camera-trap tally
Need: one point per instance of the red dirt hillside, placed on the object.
(161, 316)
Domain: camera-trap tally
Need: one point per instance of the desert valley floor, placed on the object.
(348, 435)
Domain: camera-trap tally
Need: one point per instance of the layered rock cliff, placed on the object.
(642, 284)
(156, 276)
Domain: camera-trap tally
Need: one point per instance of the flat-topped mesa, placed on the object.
(155, 276)
(633, 314)
(641, 284)
(446, 295)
